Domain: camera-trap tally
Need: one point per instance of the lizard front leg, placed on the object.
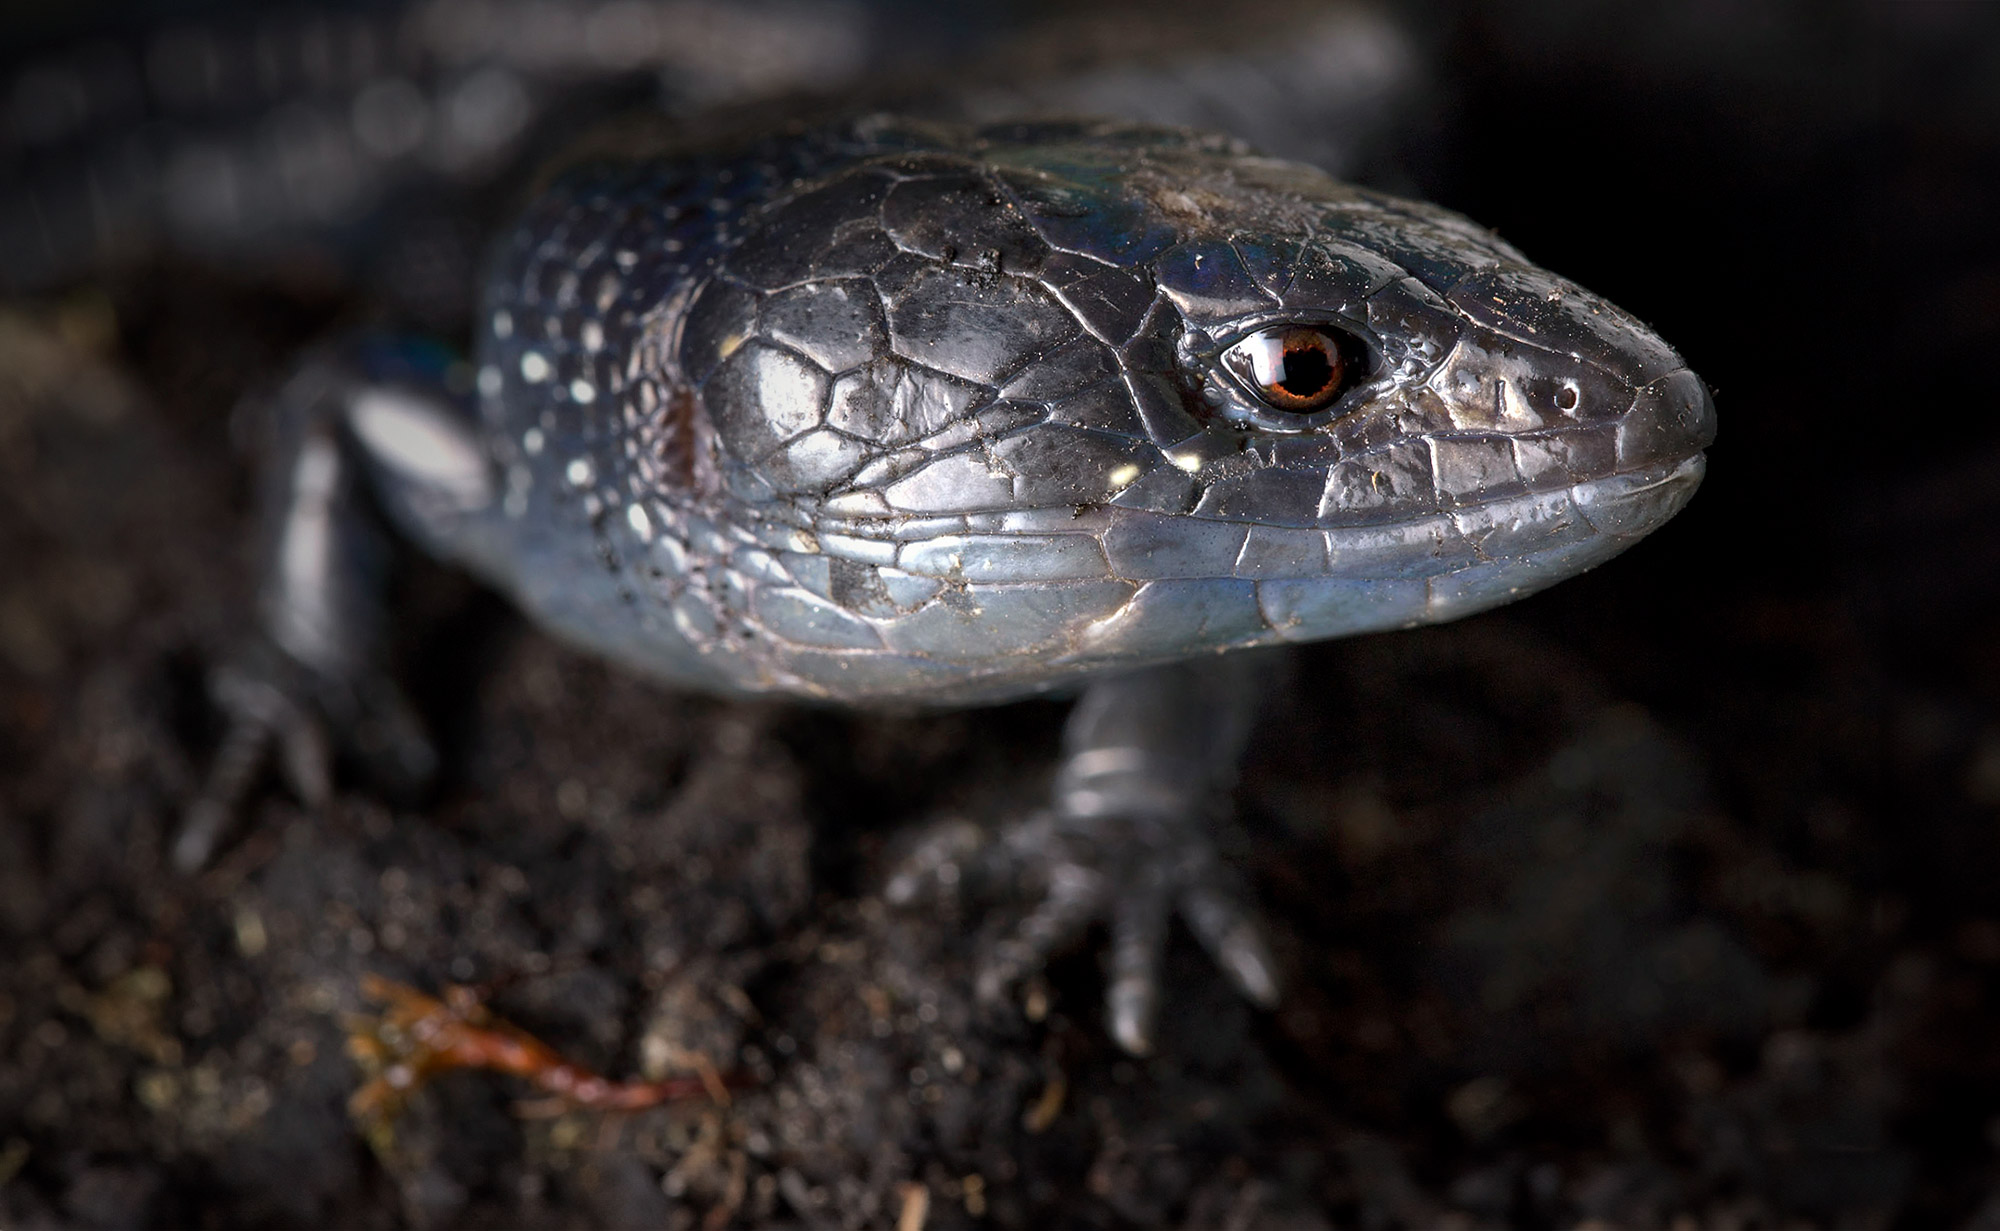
(358, 436)
(1149, 761)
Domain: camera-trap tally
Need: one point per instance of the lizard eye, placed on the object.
(1296, 368)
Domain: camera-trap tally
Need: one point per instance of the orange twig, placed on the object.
(418, 1037)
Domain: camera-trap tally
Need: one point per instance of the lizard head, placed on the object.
(1067, 397)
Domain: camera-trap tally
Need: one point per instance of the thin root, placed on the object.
(418, 1037)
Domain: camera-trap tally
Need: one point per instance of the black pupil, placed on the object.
(1308, 371)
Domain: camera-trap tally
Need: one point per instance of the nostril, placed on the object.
(1566, 397)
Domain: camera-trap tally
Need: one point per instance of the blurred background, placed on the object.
(1665, 899)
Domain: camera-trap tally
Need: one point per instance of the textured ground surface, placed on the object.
(1664, 900)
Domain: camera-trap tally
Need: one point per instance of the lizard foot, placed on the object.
(1132, 872)
(270, 702)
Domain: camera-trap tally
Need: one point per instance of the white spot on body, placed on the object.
(503, 324)
(532, 441)
(490, 381)
(1122, 477)
(592, 335)
(534, 367)
(583, 391)
(642, 525)
(580, 472)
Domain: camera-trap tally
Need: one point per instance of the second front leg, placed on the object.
(362, 429)
(1149, 762)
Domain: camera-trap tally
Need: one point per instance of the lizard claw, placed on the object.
(1133, 875)
(265, 699)
(260, 712)
(1227, 927)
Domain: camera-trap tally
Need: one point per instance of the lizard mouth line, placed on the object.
(1646, 478)
(1621, 484)
(1055, 547)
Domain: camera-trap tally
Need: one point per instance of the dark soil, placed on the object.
(1662, 900)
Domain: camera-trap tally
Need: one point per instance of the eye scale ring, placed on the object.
(1293, 368)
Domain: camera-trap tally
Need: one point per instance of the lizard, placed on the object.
(906, 413)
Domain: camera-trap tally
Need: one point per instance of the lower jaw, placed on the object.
(1510, 548)
(1524, 545)
(1066, 631)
